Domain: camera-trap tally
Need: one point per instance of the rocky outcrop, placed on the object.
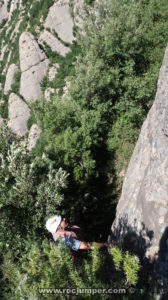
(19, 113)
(3, 10)
(4, 49)
(143, 206)
(52, 72)
(59, 19)
(10, 77)
(33, 64)
(53, 43)
(34, 135)
(13, 6)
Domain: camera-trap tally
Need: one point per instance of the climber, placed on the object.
(70, 235)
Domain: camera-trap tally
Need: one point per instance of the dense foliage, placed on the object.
(91, 131)
(88, 134)
(31, 190)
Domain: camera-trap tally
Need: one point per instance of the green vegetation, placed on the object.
(9, 5)
(66, 67)
(31, 190)
(86, 141)
(91, 132)
(38, 10)
(53, 266)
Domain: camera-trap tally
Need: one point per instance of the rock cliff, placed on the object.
(143, 206)
(33, 65)
(18, 115)
(31, 34)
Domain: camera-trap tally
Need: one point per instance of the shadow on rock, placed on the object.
(153, 276)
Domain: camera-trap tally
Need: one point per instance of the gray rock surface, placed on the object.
(34, 135)
(10, 77)
(13, 6)
(60, 20)
(19, 113)
(4, 49)
(143, 205)
(3, 10)
(33, 64)
(53, 43)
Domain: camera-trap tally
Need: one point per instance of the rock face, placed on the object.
(13, 6)
(3, 10)
(34, 135)
(19, 113)
(143, 205)
(60, 20)
(53, 43)
(33, 64)
(10, 77)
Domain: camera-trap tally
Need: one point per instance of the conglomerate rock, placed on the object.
(10, 77)
(33, 65)
(19, 113)
(143, 206)
(59, 19)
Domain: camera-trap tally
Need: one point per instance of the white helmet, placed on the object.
(53, 223)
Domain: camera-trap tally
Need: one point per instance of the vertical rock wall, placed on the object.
(143, 205)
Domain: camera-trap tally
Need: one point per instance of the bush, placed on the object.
(49, 267)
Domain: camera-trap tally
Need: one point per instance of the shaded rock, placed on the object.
(143, 201)
(53, 43)
(60, 20)
(10, 77)
(19, 113)
(33, 64)
(34, 135)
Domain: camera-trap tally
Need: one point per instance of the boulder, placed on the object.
(59, 19)
(33, 64)
(143, 206)
(34, 135)
(53, 43)
(10, 77)
(19, 113)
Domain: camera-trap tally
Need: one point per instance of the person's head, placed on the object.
(56, 223)
(63, 224)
